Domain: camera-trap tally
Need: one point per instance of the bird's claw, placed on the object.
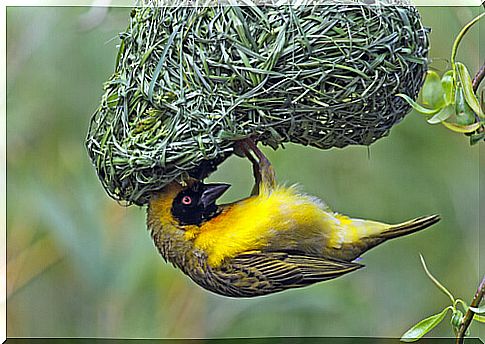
(262, 170)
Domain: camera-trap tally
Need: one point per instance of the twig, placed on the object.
(478, 78)
(480, 74)
(469, 313)
(467, 319)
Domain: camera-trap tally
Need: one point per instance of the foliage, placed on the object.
(457, 314)
(451, 101)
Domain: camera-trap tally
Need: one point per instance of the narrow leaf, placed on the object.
(443, 115)
(146, 55)
(463, 303)
(462, 33)
(433, 90)
(479, 318)
(423, 327)
(478, 310)
(466, 83)
(418, 107)
(434, 280)
(464, 114)
(463, 129)
(448, 83)
(120, 53)
(160, 63)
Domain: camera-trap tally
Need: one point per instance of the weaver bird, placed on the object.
(274, 240)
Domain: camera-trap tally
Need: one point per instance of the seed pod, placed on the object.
(456, 319)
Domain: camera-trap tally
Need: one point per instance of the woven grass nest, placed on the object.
(191, 81)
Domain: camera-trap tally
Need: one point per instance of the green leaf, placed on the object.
(418, 107)
(463, 304)
(434, 280)
(464, 114)
(466, 83)
(475, 138)
(433, 90)
(160, 63)
(462, 33)
(424, 326)
(120, 53)
(479, 318)
(443, 115)
(146, 55)
(478, 310)
(448, 83)
(463, 129)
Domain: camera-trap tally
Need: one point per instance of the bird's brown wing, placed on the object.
(259, 273)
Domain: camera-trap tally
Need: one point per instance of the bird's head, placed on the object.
(191, 204)
(196, 203)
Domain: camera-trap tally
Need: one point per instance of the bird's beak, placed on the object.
(212, 192)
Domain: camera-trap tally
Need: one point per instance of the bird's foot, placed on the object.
(263, 172)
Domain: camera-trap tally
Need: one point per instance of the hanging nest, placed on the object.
(190, 81)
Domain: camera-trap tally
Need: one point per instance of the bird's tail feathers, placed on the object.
(409, 227)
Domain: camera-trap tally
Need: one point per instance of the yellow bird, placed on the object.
(276, 239)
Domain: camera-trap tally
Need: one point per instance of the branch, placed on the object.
(478, 78)
(469, 313)
(480, 74)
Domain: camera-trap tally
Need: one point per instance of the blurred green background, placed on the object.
(79, 264)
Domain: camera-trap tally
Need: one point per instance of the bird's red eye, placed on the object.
(186, 200)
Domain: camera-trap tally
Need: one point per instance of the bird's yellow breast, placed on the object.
(280, 219)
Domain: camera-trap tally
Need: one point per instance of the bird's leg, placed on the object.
(266, 171)
(244, 149)
(262, 169)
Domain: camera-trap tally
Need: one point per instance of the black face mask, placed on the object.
(197, 204)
